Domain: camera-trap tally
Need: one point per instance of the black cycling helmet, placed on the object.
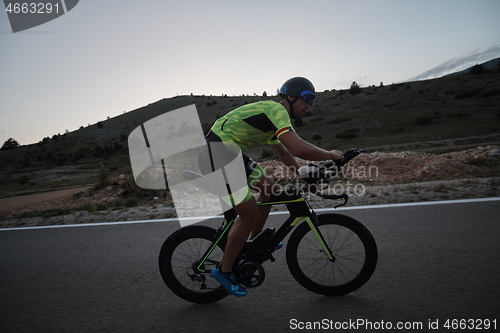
(294, 86)
(297, 87)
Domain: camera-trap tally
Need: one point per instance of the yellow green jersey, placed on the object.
(254, 124)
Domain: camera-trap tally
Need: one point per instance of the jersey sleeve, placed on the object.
(281, 120)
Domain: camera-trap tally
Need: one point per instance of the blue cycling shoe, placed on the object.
(229, 282)
(280, 245)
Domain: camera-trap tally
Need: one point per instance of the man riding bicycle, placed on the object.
(256, 124)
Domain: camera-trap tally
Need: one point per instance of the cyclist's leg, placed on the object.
(249, 214)
(264, 187)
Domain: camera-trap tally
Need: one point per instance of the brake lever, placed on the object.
(350, 154)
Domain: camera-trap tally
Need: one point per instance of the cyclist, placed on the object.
(256, 124)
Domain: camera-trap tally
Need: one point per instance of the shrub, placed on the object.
(457, 114)
(131, 202)
(339, 120)
(491, 93)
(102, 174)
(423, 120)
(316, 137)
(299, 122)
(23, 180)
(266, 153)
(348, 134)
(477, 69)
(10, 144)
(468, 94)
(89, 206)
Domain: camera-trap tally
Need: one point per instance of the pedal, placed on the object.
(272, 258)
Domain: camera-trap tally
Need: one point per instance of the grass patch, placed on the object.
(389, 105)
(45, 213)
(491, 93)
(266, 152)
(457, 114)
(339, 120)
(423, 120)
(131, 202)
(317, 119)
(467, 94)
(91, 206)
(348, 134)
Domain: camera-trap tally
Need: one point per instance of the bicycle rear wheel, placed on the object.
(352, 245)
(179, 258)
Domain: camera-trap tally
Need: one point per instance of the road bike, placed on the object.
(328, 254)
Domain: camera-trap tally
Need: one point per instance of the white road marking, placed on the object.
(409, 204)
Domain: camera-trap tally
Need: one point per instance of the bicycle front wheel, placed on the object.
(353, 248)
(179, 259)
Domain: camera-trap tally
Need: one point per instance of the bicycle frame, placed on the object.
(299, 210)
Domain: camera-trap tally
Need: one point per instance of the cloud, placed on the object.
(456, 65)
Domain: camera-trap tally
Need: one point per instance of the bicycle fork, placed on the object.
(292, 221)
(315, 229)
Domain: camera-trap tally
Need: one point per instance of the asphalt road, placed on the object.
(436, 262)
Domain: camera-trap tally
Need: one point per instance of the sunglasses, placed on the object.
(308, 96)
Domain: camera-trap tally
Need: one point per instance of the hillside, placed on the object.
(448, 114)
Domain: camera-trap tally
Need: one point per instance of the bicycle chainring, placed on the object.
(250, 273)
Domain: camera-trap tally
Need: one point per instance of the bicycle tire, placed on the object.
(180, 253)
(352, 245)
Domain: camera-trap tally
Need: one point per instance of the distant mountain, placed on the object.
(486, 65)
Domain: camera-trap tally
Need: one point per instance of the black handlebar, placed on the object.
(321, 172)
(349, 155)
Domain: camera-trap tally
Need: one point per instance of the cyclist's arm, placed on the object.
(285, 156)
(303, 149)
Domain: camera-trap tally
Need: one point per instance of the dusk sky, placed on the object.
(106, 57)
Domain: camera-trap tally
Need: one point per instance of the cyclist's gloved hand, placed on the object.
(337, 156)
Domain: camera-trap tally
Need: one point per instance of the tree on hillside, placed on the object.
(355, 89)
(477, 69)
(10, 144)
